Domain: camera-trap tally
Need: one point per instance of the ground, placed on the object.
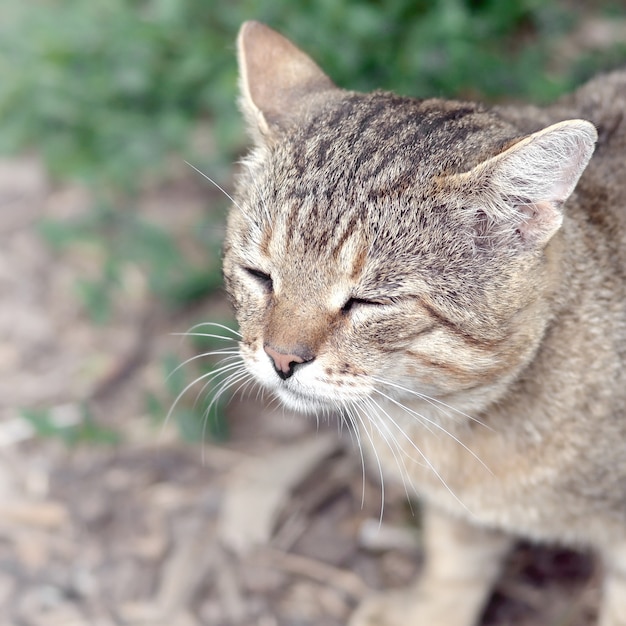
(274, 527)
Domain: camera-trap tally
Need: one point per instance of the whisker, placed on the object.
(426, 460)
(208, 375)
(217, 373)
(430, 400)
(423, 418)
(245, 391)
(232, 353)
(377, 458)
(356, 436)
(215, 185)
(225, 385)
(404, 475)
(207, 335)
(222, 326)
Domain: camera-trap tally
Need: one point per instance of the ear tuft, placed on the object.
(524, 187)
(546, 165)
(277, 80)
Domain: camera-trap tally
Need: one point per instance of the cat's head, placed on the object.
(382, 246)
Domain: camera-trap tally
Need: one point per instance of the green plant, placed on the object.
(107, 88)
(85, 430)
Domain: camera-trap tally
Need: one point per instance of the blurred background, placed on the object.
(114, 508)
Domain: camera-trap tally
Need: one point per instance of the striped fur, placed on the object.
(445, 282)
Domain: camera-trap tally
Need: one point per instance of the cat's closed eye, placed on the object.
(351, 303)
(262, 278)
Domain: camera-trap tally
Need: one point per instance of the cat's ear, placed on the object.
(523, 188)
(278, 81)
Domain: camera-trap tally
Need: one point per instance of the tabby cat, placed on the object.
(451, 279)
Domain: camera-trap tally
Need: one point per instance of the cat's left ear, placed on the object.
(523, 188)
(278, 81)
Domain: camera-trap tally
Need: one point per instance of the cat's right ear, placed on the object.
(278, 82)
(521, 191)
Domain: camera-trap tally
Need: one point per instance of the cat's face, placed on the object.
(347, 253)
(376, 251)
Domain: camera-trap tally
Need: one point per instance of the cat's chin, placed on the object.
(303, 403)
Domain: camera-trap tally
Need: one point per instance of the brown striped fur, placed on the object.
(452, 279)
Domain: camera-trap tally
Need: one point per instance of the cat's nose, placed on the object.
(285, 363)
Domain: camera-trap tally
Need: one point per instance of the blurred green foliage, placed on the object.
(107, 88)
(85, 431)
(108, 91)
(130, 238)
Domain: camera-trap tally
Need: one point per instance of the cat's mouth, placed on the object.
(301, 400)
(316, 398)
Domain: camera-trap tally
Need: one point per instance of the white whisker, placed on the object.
(426, 460)
(222, 326)
(404, 474)
(436, 403)
(178, 399)
(214, 184)
(233, 354)
(234, 368)
(423, 419)
(356, 436)
(225, 385)
(378, 463)
(207, 335)
(209, 376)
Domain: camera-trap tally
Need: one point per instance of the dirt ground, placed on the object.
(266, 529)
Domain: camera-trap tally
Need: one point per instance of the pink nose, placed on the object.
(284, 364)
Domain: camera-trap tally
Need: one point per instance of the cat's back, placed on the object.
(601, 192)
(603, 102)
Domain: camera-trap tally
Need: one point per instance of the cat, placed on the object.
(451, 280)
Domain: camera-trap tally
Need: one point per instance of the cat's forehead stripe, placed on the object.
(349, 230)
(266, 237)
(358, 264)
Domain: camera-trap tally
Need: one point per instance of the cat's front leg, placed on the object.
(613, 607)
(462, 563)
